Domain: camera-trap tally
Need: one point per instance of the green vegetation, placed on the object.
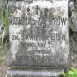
(5, 22)
(72, 72)
(5, 16)
(4, 40)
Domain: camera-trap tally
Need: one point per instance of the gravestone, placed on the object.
(39, 37)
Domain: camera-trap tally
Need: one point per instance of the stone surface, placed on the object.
(73, 37)
(1, 3)
(73, 33)
(35, 73)
(39, 33)
(73, 23)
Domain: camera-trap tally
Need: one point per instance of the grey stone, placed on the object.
(73, 48)
(35, 73)
(73, 19)
(1, 3)
(73, 33)
(39, 34)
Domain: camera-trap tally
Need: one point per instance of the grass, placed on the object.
(5, 16)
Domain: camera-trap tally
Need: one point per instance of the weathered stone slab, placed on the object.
(39, 33)
(35, 73)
